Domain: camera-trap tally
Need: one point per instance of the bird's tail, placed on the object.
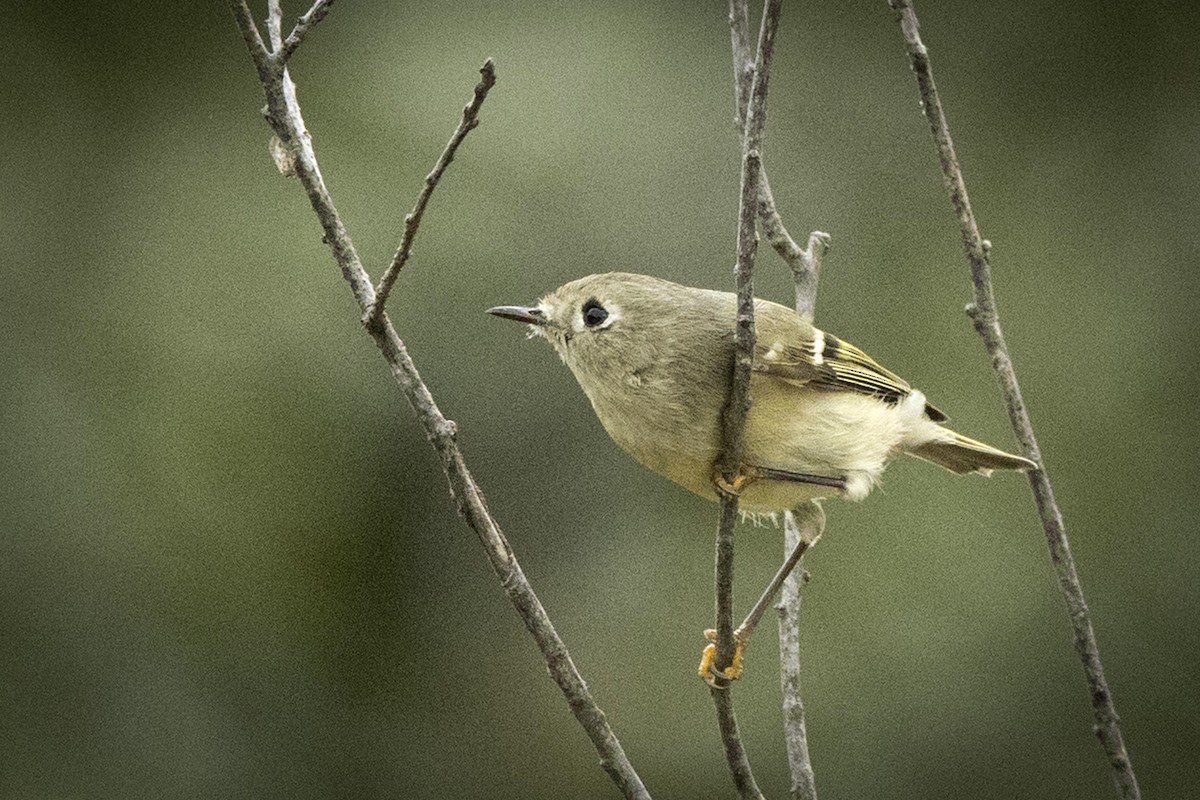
(961, 454)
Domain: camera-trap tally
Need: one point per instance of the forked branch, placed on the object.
(283, 115)
(303, 25)
(412, 220)
(805, 262)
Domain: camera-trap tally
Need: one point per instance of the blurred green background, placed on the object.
(229, 566)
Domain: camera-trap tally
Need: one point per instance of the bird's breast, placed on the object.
(669, 425)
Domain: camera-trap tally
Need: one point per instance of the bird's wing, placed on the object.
(811, 357)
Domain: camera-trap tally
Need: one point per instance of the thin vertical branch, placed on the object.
(743, 61)
(733, 421)
(732, 430)
(806, 270)
(735, 751)
(275, 25)
(804, 262)
(984, 315)
(805, 524)
(283, 115)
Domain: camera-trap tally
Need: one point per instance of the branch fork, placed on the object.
(295, 152)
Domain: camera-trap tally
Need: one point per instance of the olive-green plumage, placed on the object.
(654, 357)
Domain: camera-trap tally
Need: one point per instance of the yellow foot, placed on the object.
(708, 672)
(733, 489)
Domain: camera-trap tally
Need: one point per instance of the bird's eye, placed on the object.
(593, 313)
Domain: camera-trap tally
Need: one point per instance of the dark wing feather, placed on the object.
(822, 360)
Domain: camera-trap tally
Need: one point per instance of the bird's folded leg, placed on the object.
(811, 528)
(754, 472)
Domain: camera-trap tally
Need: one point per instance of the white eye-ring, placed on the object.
(596, 316)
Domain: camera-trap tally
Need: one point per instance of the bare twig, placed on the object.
(984, 315)
(806, 270)
(412, 220)
(275, 24)
(738, 403)
(732, 429)
(743, 61)
(735, 751)
(805, 524)
(733, 421)
(283, 114)
(805, 263)
(303, 25)
(734, 416)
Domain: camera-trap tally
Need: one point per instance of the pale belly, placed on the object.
(836, 435)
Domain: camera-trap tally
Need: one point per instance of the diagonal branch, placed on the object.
(986, 319)
(283, 115)
(251, 35)
(412, 220)
(303, 25)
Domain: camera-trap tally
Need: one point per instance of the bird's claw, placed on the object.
(731, 488)
(708, 672)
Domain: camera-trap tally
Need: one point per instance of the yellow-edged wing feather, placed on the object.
(789, 349)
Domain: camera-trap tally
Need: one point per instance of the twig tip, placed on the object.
(488, 71)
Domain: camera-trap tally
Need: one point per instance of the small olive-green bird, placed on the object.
(655, 358)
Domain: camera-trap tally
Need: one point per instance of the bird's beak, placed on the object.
(529, 315)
